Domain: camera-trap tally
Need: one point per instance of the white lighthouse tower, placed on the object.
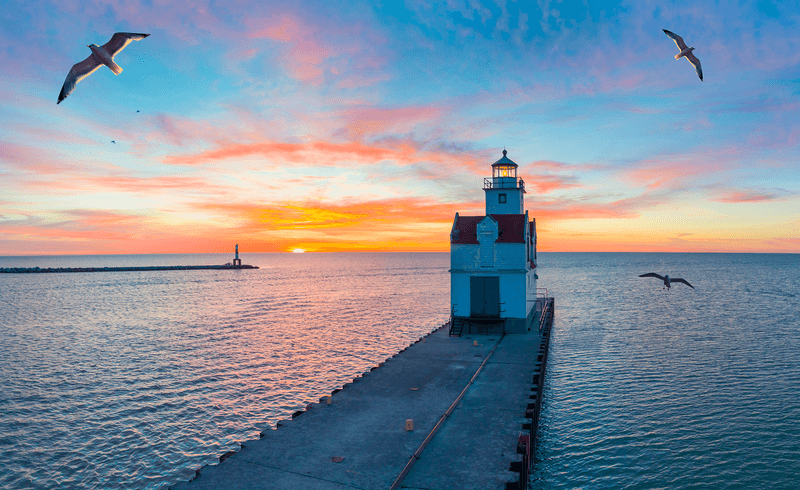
(493, 260)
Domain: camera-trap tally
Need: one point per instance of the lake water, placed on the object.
(135, 379)
(679, 389)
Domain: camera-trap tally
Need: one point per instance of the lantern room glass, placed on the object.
(507, 171)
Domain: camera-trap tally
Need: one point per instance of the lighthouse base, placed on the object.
(470, 325)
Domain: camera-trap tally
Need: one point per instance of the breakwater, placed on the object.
(35, 270)
(445, 412)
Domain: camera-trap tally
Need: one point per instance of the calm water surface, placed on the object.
(135, 379)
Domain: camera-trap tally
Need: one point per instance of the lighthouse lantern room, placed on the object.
(493, 260)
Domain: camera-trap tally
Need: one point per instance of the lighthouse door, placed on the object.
(484, 296)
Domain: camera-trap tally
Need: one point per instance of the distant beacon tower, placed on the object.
(493, 258)
(236, 260)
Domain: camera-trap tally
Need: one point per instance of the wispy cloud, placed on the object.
(745, 197)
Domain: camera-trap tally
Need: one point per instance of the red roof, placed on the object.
(511, 229)
(464, 230)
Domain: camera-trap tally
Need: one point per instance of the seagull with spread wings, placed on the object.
(101, 55)
(685, 52)
(667, 280)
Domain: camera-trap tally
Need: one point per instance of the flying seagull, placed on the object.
(667, 280)
(114, 142)
(101, 55)
(685, 52)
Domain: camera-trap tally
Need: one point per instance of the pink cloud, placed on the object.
(548, 183)
(32, 159)
(675, 170)
(182, 131)
(327, 153)
(152, 185)
(48, 134)
(569, 209)
(372, 120)
(77, 224)
(314, 51)
(745, 196)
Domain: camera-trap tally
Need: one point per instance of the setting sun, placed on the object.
(297, 250)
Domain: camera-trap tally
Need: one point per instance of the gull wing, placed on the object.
(678, 279)
(678, 40)
(121, 39)
(78, 72)
(652, 274)
(694, 61)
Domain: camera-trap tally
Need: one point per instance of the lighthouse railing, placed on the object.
(503, 183)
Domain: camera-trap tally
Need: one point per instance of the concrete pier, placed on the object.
(482, 400)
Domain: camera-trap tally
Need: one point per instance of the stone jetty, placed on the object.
(34, 270)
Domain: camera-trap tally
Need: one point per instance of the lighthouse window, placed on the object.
(502, 198)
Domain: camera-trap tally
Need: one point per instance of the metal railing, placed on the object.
(541, 293)
(545, 312)
(488, 183)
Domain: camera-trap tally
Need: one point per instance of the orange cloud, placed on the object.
(313, 214)
(386, 224)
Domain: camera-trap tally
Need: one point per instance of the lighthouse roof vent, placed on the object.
(505, 161)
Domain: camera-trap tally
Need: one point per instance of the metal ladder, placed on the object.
(456, 327)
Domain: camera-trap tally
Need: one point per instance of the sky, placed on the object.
(365, 126)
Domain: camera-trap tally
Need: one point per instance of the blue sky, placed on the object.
(367, 126)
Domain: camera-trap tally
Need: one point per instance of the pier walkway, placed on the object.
(360, 440)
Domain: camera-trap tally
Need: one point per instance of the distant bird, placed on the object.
(101, 55)
(137, 110)
(114, 142)
(667, 280)
(685, 52)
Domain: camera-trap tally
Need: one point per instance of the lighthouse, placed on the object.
(493, 260)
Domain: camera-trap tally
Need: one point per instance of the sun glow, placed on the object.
(298, 251)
